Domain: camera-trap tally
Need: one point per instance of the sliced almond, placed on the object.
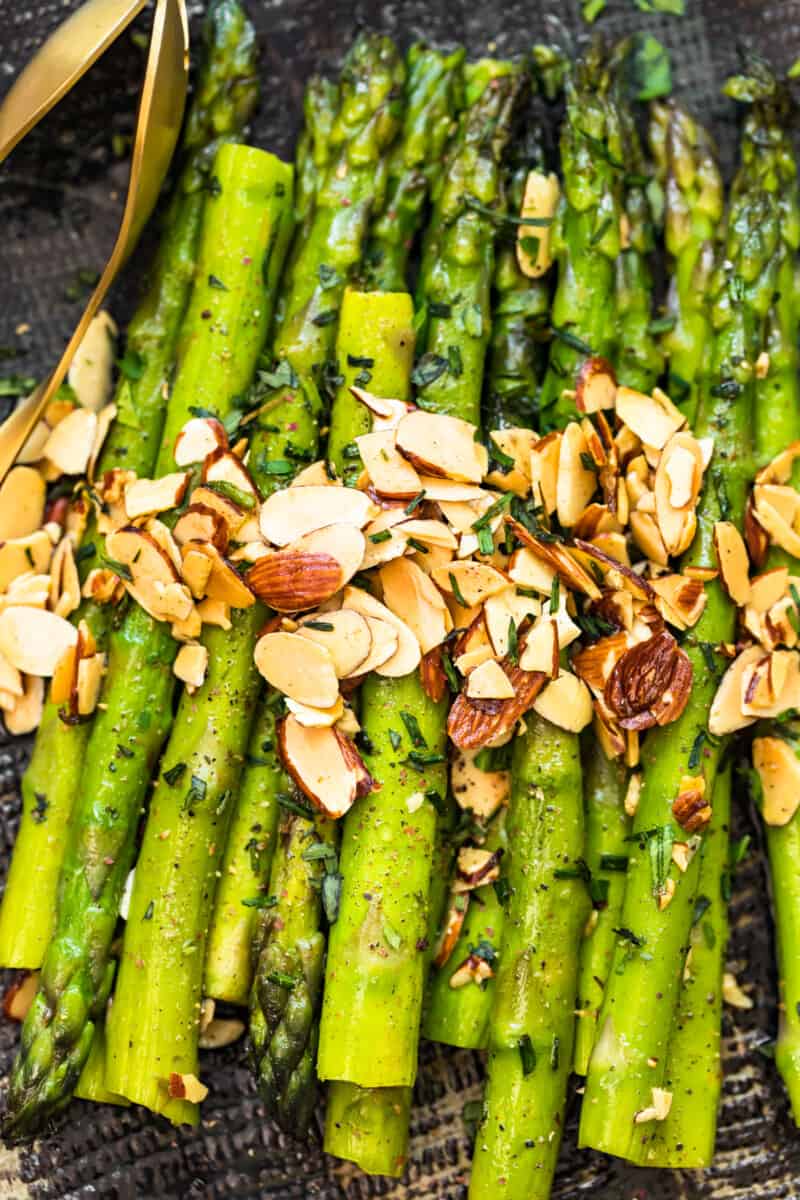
(22, 501)
(436, 444)
(224, 467)
(191, 665)
(317, 474)
(65, 588)
(780, 531)
(90, 372)
(557, 557)
(725, 715)
(33, 448)
(325, 765)
(450, 490)
(105, 419)
(539, 203)
(489, 682)
(186, 1087)
(20, 556)
(517, 444)
(472, 724)
(346, 636)
(544, 470)
(291, 513)
(310, 570)
(654, 419)
(528, 570)
(19, 996)
(199, 523)
(391, 474)
(196, 571)
(779, 470)
(299, 667)
(451, 930)
(501, 610)
(474, 581)
(33, 640)
(88, 683)
(189, 629)
(734, 565)
(680, 600)
(234, 515)
(779, 771)
(220, 1032)
(145, 497)
(677, 524)
(385, 641)
(140, 553)
(411, 595)
(387, 414)
(215, 612)
(10, 679)
(566, 702)
(541, 648)
(70, 444)
(431, 533)
(575, 483)
(481, 792)
(407, 656)
(647, 536)
(224, 583)
(767, 589)
(199, 437)
(595, 386)
(475, 867)
(26, 714)
(316, 718)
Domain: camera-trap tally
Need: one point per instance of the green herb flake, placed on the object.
(414, 732)
(174, 774)
(215, 282)
(527, 1054)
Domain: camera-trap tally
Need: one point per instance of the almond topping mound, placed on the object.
(325, 765)
(650, 684)
(690, 808)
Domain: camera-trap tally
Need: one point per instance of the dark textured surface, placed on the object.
(59, 203)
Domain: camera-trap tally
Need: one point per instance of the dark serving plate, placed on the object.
(60, 198)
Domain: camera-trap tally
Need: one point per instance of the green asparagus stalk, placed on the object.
(284, 1000)
(687, 166)
(605, 783)
(642, 990)
(247, 215)
(387, 991)
(92, 1082)
(532, 1024)
(434, 86)
(226, 94)
(586, 234)
(320, 104)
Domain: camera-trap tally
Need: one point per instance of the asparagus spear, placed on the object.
(320, 104)
(387, 990)
(245, 217)
(687, 166)
(283, 1024)
(226, 95)
(460, 1016)
(586, 234)
(642, 989)
(530, 1041)
(434, 87)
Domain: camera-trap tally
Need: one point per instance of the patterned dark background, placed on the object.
(60, 200)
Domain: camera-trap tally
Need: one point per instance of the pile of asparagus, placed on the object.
(391, 256)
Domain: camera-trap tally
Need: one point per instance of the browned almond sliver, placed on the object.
(539, 204)
(451, 932)
(144, 497)
(18, 997)
(224, 583)
(325, 765)
(70, 444)
(231, 513)
(344, 634)
(566, 702)
(594, 663)
(733, 562)
(654, 419)
(201, 524)
(22, 500)
(406, 657)
(474, 723)
(779, 771)
(222, 466)
(301, 669)
(436, 444)
(386, 414)
(475, 790)
(34, 640)
(690, 808)
(186, 1087)
(557, 557)
(432, 676)
(650, 684)
(26, 714)
(199, 437)
(411, 595)
(292, 512)
(390, 474)
(680, 600)
(575, 483)
(617, 574)
(595, 386)
(476, 867)
(725, 715)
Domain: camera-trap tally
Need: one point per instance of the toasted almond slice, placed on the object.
(432, 533)
(386, 414)
(215, 612)
(615, 573)
(470, 659)
(317, 474)
(489, 682)
(654, 418)
(407, 656)
(199, 437)
(677, 524)
(475, 867)
(189, 629)
(91, 368)
(65, 587)
(544, 470)
(19, 996)
(390, 543)
(779, 771)
(783, 498)
(451, 930)
(595, 386)
(480, 792)
(517, 444)
(220, 1032)
(345, 635)
(539, 203)
(162, 535)
(450, 490)
(528, 570)
(725, 715)
(503, 608)
(566, 702)
(767, 589)
(658, 1110)
(647, 537)
(472, 724)
(105, 419)
(224, 582)
(26, 714)
(310, 570)
(199, 523)
(33, 640)
(224, 467)
(410, 594)
(316, 718)
(541, 648)
(196, 571)
(298, 667)
(64, 676)
(776, 526)
(145, 497)
(20, 556)
(186, 1087)
(293, 512)
(325, 765)
(595, 662)
(436, 444)
(33, 590)
(474, 581)
(734, 565)
(89, 679)
(558, 558)
(390, 473)
(33, 448)
(22, 500)
(681, 601)
(10, 679)
(191, 665)
(385, 641)
(575, 483)
(681, 469)
(70, 444)
(58, 409)
(147, 562)
(779, 470)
